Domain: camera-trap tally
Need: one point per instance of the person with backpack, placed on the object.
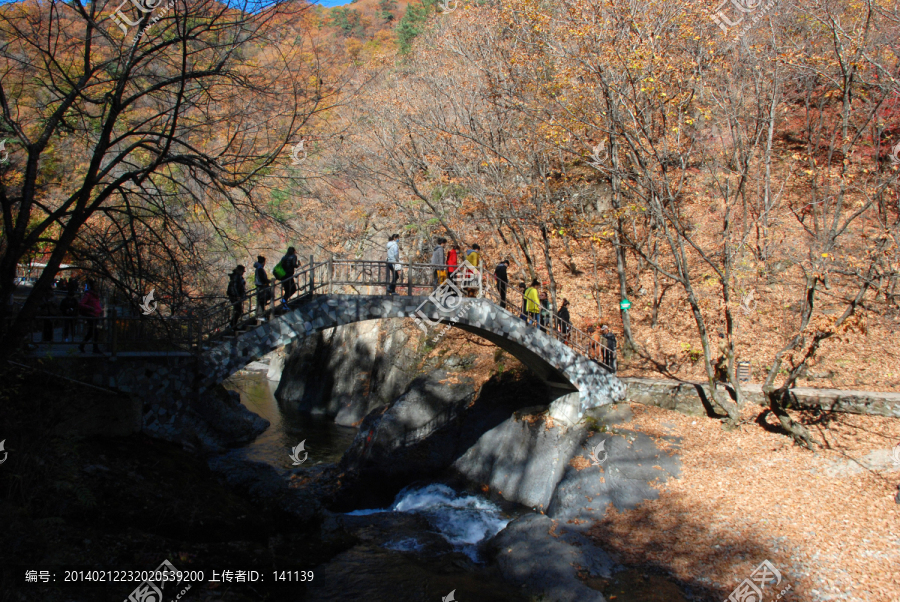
(237, 288)
(533, 304)
(68, 309)
(439, 261)
(261, 282)
(90, 308)
(284, 273)
(393, 263)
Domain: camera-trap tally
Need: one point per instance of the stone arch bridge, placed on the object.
(328, 295)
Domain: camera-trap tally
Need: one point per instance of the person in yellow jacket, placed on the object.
(533, 303)
(474, 258)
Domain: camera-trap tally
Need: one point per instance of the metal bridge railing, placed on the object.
(551, 324)
(335, 276)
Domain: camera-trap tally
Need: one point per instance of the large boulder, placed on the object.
(534, 461)
(522, 458)
(545, 557)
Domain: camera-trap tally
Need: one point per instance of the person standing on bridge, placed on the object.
(393, 263)
(261, 281)
(69, 310)
(439, 261)
(452, 259)
(609, 349)
(545, 308)
(533, 304)
(90, 308)
(502, 280)
(289, 264)
(563, 321)
(237, 288)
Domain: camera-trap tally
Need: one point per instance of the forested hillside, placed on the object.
(739, 185)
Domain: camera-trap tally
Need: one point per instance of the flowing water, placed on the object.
(463, 520)
(402, 565)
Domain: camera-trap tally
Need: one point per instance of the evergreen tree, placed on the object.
(412, 22)
(387, 8)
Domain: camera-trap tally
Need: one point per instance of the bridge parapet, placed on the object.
(556, 363)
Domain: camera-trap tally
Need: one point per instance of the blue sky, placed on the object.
(328, 3)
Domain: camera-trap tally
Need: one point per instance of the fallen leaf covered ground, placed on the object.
(825, 521)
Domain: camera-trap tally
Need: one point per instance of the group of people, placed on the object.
(87, 307)
(446, 264)
(283, 272)
(535, 308)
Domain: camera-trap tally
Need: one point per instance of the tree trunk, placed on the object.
(546, 247)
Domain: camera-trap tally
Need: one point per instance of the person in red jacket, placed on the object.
(90, 308)
(452, 259)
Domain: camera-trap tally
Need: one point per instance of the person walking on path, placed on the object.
(393, 263)
(564, 322)
(90, 308)
(533, 304)
(609, 351)
(261, 282)
(439, 261)
(502, 280)
(289, 264)
(452, 259)
(68, 309)
(237, 288)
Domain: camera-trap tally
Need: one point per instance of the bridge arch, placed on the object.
(555, 363)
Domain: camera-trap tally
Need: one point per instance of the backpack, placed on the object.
(231, 292)
(279, 272)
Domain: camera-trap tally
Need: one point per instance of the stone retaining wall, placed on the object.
(692, 398)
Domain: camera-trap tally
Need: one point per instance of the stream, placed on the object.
(425, 544)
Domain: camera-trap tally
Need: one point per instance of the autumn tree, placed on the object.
(140, 127)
